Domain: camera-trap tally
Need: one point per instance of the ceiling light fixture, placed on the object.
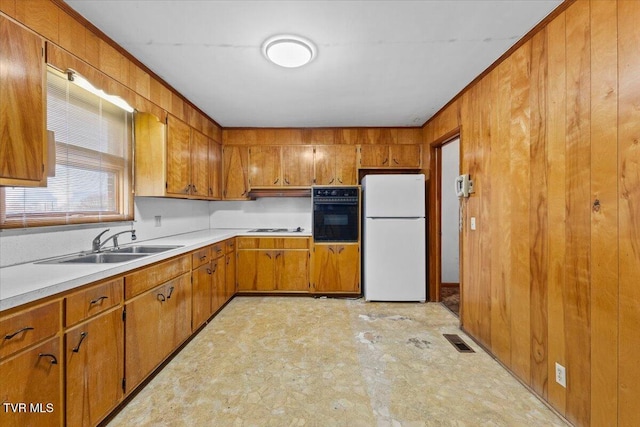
(289, 51)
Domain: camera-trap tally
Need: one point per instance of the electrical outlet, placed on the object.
(473, 222)
(158, 220)
(561, 375)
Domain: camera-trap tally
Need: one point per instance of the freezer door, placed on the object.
(395, 260)
(394, 196)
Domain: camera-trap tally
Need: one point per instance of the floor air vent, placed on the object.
(457, 342)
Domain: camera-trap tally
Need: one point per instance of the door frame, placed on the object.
(435, 212)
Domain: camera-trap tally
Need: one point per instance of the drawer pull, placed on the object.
(161, 298)
(9, 336)
(83, 335)
(170, 292)
(203, 257)
(54, 360)
(98, 300)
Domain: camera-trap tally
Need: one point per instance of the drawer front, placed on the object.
(256, 243)
(294, 243)
(150, 277)
(96, 299)
(27, 327)
(230, 245)
(217, 250)
(200, 257)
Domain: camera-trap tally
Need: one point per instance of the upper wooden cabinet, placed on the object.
(174, 160)
(235, 172)
(390, 156)
(336, 165)
(23, 106)
(297, 165)
(265, 166)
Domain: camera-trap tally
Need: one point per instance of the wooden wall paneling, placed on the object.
(604, 215)
(500, 219)
(178, 107)
(92, 48)
(538, 213)
(520, 183)
(110, 60)
(141, 81)
(578, 164)
(409, 135)
(159, 94)
(40, 16)
(482, 173)
(629, 206)
(71, 35)
(556, 147)
(8, 7)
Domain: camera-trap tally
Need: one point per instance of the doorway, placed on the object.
(449, 226)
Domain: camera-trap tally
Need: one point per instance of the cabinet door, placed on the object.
(345, 165)
(178, 157)
(336, 268)
(23, 122)
(292, 270)
(407, 156)
(297, 165)
(218, 284)
(33, 377)
(201, 295)
(265, 166)
(230, 275)
(235, 172)
(199, 165)
(215, 170)
(156, 323)
(374, 156)
(255, 271)
(325, 165)
(95, 368)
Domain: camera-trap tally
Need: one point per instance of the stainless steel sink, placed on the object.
(99, 258)
(144, 249)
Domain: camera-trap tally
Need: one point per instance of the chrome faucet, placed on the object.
(96, 245)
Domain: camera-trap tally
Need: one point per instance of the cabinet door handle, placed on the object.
(331, 249)
(332, 179)
(228, 259)
(195, 190)
(26, 328)
(385, 161)
(244, 193)
(276, 181)
(278, 254)
(215, 267)
(83, 335)
(286, 181)
(54, 360)
(268, 255)
(339, 180)
(396, 162)
(210, 191)
(170, 292)
(340, 250)
(98, 300)
(161, 298)
(186, 189)
(209, 272)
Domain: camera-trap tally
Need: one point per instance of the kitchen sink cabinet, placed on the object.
(201, 288)
(390, 156)
(336, 268)
(297, 165)
(235, 172)
(335, 165)
(33, 377)
(157, 322)
(230, 275)
(94, 368)
(23, 142)
(272, 264)
(265, 166)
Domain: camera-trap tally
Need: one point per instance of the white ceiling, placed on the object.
(379, 63)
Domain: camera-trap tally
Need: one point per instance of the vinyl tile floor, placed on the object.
(289, 361)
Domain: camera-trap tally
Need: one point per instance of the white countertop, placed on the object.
(24, 283)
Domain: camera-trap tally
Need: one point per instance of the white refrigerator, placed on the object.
(394, 233)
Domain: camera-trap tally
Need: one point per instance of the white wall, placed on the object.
(277, 212)
(177, 216)
(450, 213)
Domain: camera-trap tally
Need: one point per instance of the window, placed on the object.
(93, 150)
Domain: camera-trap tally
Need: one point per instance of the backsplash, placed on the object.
(277, 212)
(176, 216)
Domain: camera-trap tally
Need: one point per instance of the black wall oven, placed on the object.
(336, 213)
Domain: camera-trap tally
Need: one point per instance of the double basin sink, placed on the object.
(113, 256)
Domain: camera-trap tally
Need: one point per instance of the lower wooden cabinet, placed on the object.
(201, 294)
(230, 274)
(31, 382)
(157, 322)
(94, 353)
(273, 264)
(218, 287)
(336, 268)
